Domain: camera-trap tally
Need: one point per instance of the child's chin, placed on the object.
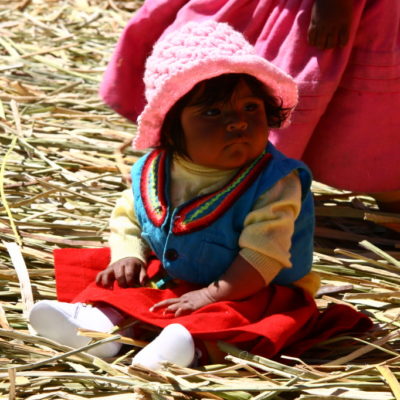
(236, 163)
(240, 157)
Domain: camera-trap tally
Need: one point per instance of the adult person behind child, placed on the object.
(344, 57)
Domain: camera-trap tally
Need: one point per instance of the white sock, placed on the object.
(60, 322)
(174, 344)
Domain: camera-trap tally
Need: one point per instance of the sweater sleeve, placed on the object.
(266, 237)
(125, 233)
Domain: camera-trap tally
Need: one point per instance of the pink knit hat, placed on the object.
(191, 54)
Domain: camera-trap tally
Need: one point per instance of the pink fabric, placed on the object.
(346, 126)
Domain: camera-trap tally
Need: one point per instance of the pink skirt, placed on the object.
(346, 126)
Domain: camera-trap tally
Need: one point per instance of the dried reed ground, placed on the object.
(60, 175)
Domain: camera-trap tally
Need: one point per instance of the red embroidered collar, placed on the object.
(201, 211)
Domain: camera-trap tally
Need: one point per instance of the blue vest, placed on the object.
(198, 241)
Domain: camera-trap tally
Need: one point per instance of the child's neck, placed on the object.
(198, 169)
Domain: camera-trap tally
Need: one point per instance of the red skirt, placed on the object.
(274, 320)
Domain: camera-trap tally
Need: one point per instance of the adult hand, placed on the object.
(185, 304)
(330, 23)
(128, 272)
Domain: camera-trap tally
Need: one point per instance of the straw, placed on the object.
(65, 159)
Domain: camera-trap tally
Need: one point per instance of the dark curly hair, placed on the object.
(214, 90)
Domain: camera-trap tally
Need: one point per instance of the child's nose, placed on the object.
(237, 126)
(236, 123)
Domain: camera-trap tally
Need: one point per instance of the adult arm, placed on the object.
(330, 23)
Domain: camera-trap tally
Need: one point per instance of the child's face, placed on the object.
(226, 135)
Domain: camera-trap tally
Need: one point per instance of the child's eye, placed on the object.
(251, 106)
(211, 112)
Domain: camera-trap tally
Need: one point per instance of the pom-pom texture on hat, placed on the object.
(191, 54)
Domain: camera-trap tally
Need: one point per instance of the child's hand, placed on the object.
(185, 304)
(128, 272)
(330, 23)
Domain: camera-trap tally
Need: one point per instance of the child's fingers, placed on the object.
(134, 272)
(178, 309)
(182, 311)
(120, 275)
(142, 276)
(99, 279)
(164, 303)
(130, 275)
(105, 278)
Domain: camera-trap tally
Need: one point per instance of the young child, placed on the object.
(343, 55)
(226, 219)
